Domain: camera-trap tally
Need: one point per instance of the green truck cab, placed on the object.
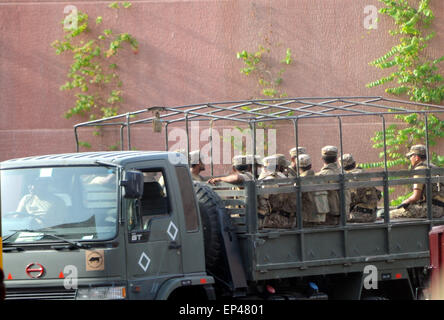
(104, 246)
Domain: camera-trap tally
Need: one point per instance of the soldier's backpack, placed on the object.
(321, 201)
(367, 195)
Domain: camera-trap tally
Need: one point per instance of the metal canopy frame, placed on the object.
(253, 111)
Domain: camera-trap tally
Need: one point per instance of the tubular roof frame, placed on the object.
(256, 115)
(251, 112)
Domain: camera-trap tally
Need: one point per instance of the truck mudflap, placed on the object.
(436, 240)
(233, 262)
(188, 281)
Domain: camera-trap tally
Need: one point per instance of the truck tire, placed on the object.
(209, 204)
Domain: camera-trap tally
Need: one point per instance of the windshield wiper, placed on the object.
(76, 244)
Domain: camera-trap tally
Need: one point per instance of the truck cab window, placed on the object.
(188, 200)
(154, 201)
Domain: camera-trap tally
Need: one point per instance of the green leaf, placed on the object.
(85, 144)
(114, 5)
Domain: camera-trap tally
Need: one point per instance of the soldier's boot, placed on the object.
(412, 211)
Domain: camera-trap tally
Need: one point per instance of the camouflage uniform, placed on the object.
(292, 170)
(311, 214)
(257, 163)
(333, 195)
(363, 201)
(271, 206)
(419, 209)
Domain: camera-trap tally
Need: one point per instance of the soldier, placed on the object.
(363, 201)
(241, 172)
(292, 168)
(196, 165)
(270, 206)
(274, 164)
(330, 157)
(257, 164)
(416, 206)
(311, 212)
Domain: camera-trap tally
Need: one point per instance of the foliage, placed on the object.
(93, 75)
(268, 79)
(416, 77)
(398, 140)
(259, 65)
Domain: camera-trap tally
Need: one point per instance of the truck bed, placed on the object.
(321, 250)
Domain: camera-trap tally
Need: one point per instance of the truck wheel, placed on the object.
(209, 203)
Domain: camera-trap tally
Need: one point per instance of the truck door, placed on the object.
(153, 238)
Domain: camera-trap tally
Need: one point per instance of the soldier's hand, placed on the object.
(403, 205)
(212, 181)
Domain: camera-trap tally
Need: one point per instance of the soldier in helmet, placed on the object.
(416, 206)
(241, 172)
(257, 164)
(292, 168)
(363, 201)
(330, 157)
(312, 212)
(271, 206)
(196, 165)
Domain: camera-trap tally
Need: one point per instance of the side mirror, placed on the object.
(133, 184)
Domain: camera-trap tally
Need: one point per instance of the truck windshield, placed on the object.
(78, 203)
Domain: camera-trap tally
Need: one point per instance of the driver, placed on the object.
(40, 200)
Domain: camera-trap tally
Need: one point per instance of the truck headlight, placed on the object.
(101, 293)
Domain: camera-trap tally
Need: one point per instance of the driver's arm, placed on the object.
(22, 204)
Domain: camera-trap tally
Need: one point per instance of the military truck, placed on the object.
(133, 224)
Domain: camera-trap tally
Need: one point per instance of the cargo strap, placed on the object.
(282, 213)
(364, 210)
(437, 203)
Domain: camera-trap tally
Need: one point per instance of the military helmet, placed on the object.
(194, 157)
(239, 160)
(275, 160)
(257, 159)
(304, 160)
(329, 151)
(347, 160)
(301, 150)
(418, 149)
